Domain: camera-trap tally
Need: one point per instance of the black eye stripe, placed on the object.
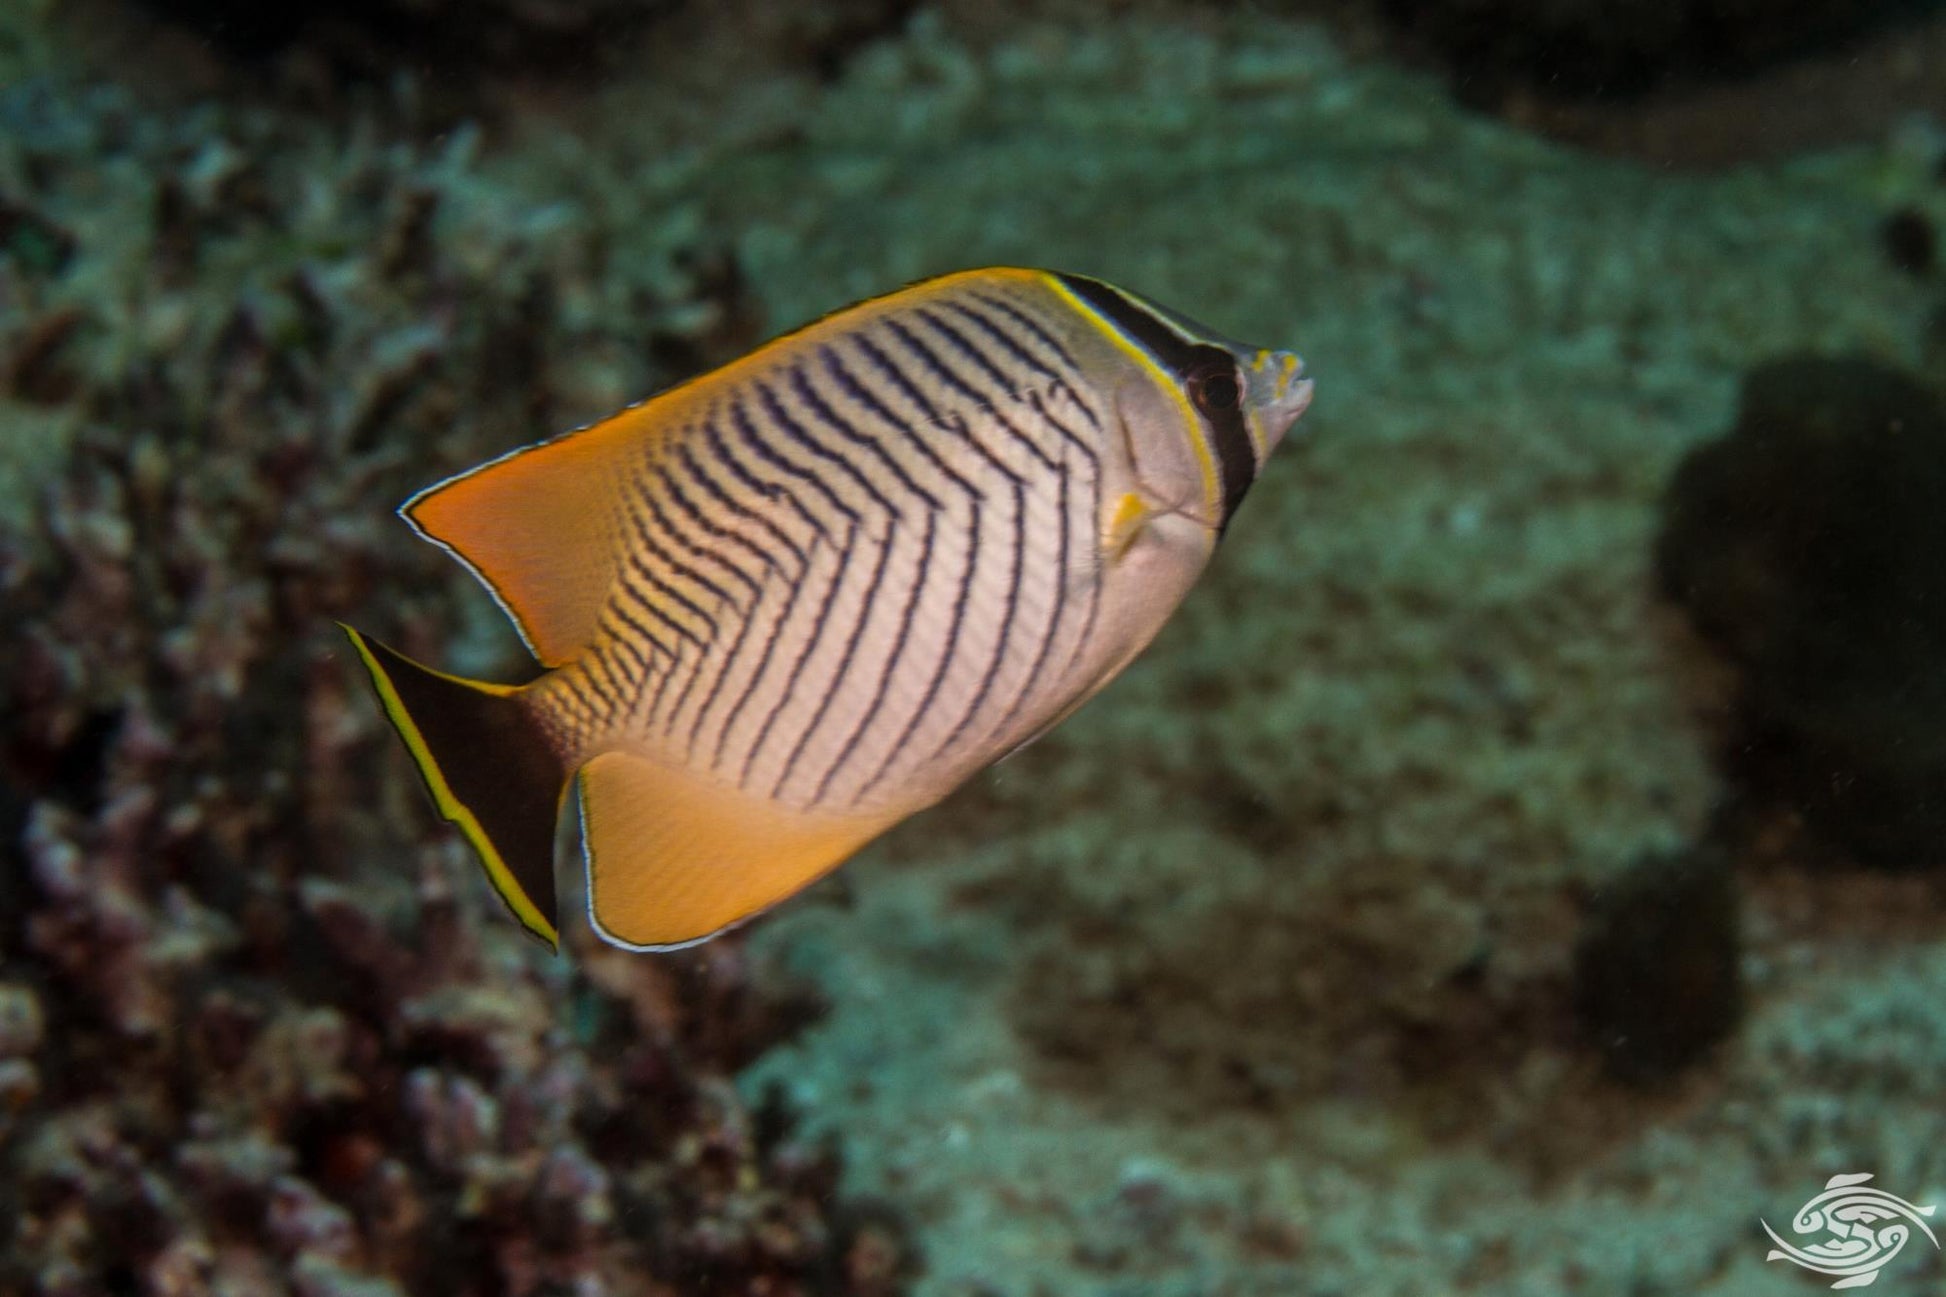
(1216, 389)
(1185, 360)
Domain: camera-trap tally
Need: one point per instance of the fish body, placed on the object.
(788, 604)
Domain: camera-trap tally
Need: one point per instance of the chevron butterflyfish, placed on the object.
(786, 605)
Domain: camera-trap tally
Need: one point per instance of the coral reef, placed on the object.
(1803, 545)
(261, 1031)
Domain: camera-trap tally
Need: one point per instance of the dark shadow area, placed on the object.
(1805, 547)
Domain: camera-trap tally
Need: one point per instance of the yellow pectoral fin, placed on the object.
(673, 860)
(1124, 524)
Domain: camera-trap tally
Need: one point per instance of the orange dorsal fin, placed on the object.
(541, 526)
(673, 859)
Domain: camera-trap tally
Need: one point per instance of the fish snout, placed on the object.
(1279, 395)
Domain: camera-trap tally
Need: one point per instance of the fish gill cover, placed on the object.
(253, 1036)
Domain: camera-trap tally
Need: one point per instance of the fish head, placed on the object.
(1197, 416)
(1275, 395)
(1201, 412)
(1198, 445)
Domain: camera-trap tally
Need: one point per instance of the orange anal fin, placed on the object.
(673, 860)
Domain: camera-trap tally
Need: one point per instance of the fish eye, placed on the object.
(1215, 389)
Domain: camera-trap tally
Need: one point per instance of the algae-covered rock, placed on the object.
(1909, 241)
(256, 1033)
(1806, 546)
(1656, 979)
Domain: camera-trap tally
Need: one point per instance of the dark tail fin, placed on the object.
(490, 770)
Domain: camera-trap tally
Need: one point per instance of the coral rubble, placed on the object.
(254, 1036)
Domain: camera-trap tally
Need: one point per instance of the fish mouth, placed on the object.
(1279, 395)
(1296, 400)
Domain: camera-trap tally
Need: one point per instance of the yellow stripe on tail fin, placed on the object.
(489, 768)
(673, 860)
